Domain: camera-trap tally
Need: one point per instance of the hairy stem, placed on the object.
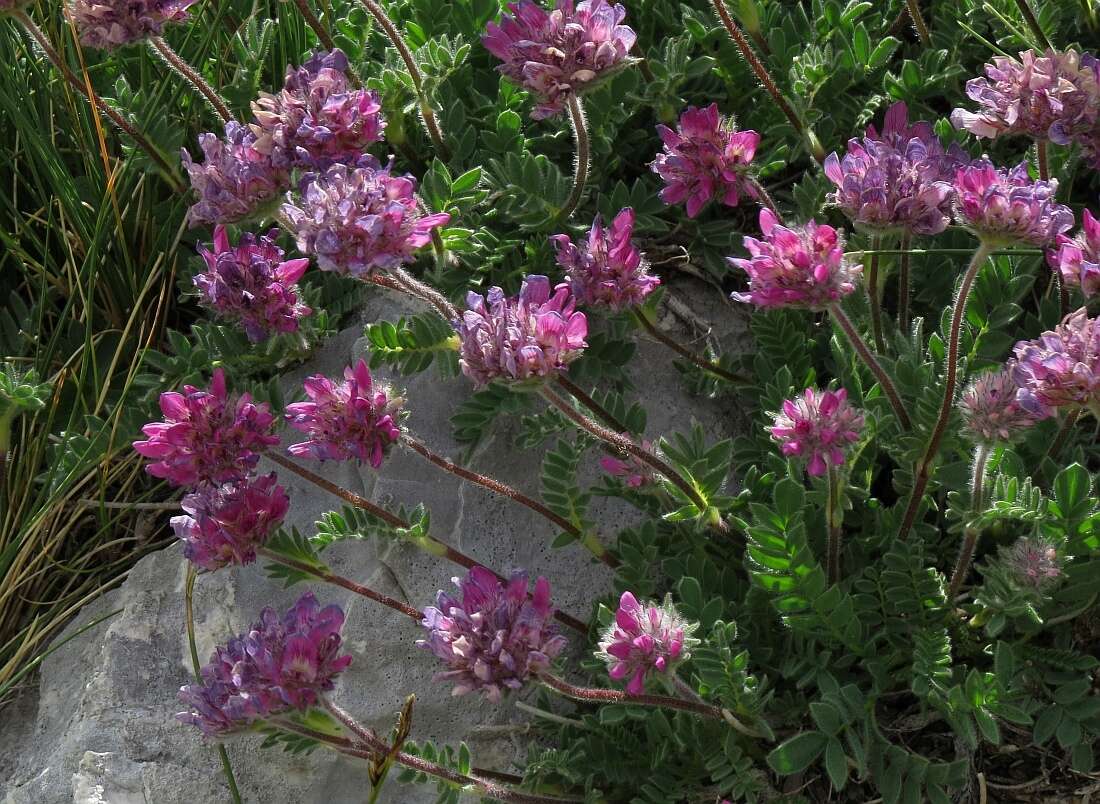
(1042, 159)
(598, 410)
(707, 365)
(764, 197)
(39, 36)
(913, 6)
(872, 363)
(971, 534)
(834, 517)
(426, 292)
(313, 22)
(589, 540)
(873, 298)
(903, 283)
(1033, 23)
(584, 156)
(923, 472)
(962, 564)
(191, 76)
(602, 695)
(1060, 439)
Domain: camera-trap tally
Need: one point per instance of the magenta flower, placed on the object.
(1077, 259)
(236, 181)
(495, 636)
(353, 419)
(801, 267)
(817, 427)
(608, 269)
(280, 665)
(1006, 206)
(645, 638)
(1061, 368)
(319, 118)
(251, 284)
(1033, 563)
(358, 218)
(206, 437)
(993, 411)
(223, 525)
(553, 54)
(634, 472)
(533, 335)
(706, 158)
(108, 24)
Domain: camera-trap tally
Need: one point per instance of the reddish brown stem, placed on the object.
(962, 564)
(191, 76)
(601, 695)
(1042, 159)
(687, 354)
(600, 412)
(915, 15)
(764, 197)
(869, 359)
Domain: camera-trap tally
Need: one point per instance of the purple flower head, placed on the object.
(1077, 259)
(533, 335)
(109, 24)
(495, 636)
(1006, 206)
(817, 427)
(634, 472)
(223, 525)
(645, 638)
(1033, 563)
(357, 219)
(1061, 368)
(319, 118)
(250, 284)
(207, 437)
(279, 665)
(800, 267)
(236, 181)
(353, 419)
(608, 269)
(993, 410)
(553, 54)
(900, 181)
(705, 158)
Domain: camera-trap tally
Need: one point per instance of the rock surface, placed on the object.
(99, 728)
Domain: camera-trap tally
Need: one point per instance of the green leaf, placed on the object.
(836, 764)
(797, 753)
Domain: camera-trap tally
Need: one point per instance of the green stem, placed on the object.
(700, 361)
(869, 359)
(915, 15)
(314, 22)
(190, 75)
(584, 156)
(873, 298)
(1033, 23)
(903, 283)
(834, 517)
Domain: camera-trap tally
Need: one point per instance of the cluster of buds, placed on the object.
(608, 270)
(645, 639)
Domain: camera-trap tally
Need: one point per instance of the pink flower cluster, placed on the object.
(109, 24)
(645, 638)
(360, 218)
(705, 159)
(817, 427)
(634, 472)
(993, 410)
(554, 54)
(494, 636)
(609, 269)
(1006, 206)
(1061, 368)
(281, 664)
(1077, 259)
(530, 336)
(799, 267)
(1033, 563)
(352, 419)
(251, 284)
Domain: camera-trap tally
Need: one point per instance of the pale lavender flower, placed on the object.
(530, 336)
(1033, 563)
(993, 411)
(281, 664)
(1077, 259)
(251, 284)
(608, 269)
(207, 437)
(553, 54)
(319, 118)
(109, 24)
(224, 525)
(236, 181)
(817, 427)
(494, 636)
(353, 419)
(645, 638)
(706, 158)
(1007, 207)
(357, 219)
(1061, 368)
(800, 267)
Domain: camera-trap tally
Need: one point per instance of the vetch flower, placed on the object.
(1061, 368)
(993, 411)
(645, 638)
(1077, 259)
(608, 269)
(1006, 206)
(281, 664)
(533, 335)
(706, 158)
(206, 436)
(109, 24)
(236, 181)
(319, 118)
(1033, 562)
(799, 267)
(817, 427)
(223, 525)
(553, 54)
(251, 284)
(353, 419)
(494, 636)
(359, 218)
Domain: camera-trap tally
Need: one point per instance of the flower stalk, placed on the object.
(971, 534)
(583, 157)
(191, 76)
(869, 359)
(873, 296)
(314, 23)
(602, 695)
(834, 516)
(915, 15)
(1033, 23)
(709, 366)
(903, 283)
